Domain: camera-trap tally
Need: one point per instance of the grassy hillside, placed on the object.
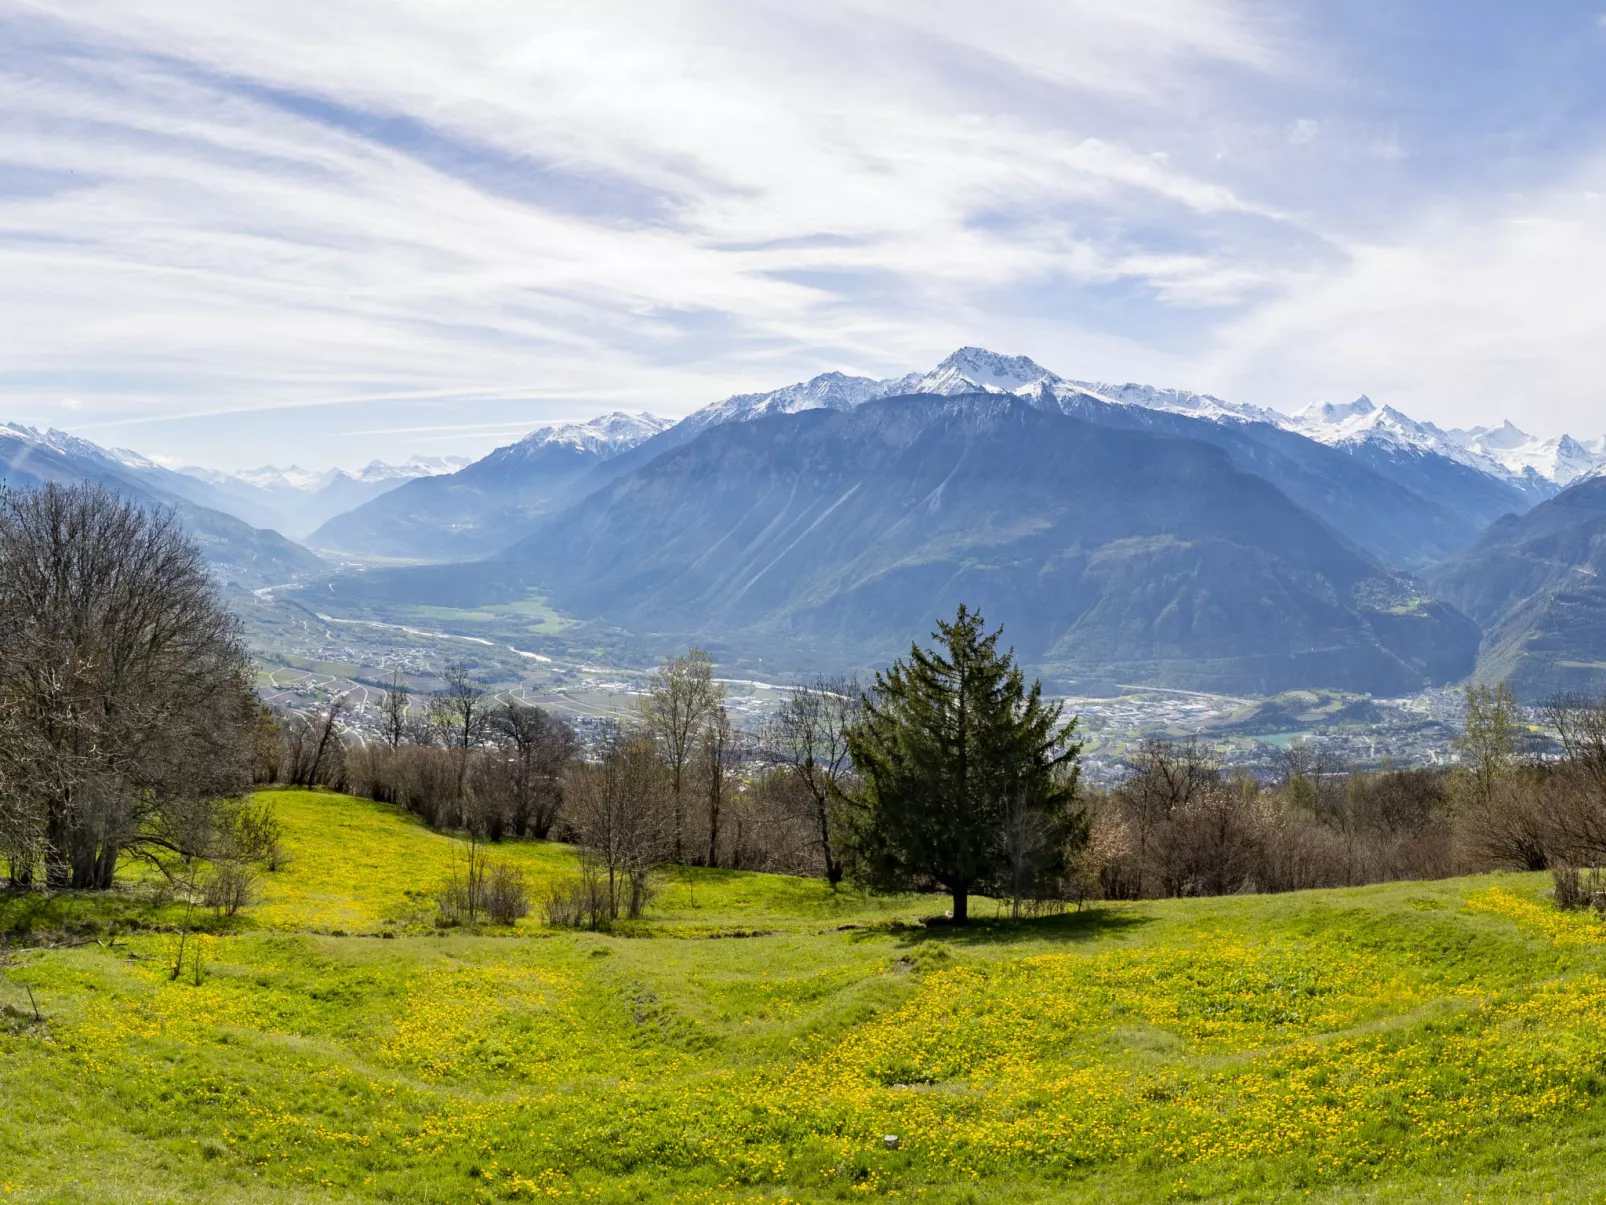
(757, 1038)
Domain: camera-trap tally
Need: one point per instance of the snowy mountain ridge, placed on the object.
(295, 479)
(616, 431)
(1505, 453)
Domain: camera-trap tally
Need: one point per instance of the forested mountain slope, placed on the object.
(1535, 583)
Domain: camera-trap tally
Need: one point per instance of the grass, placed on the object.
(532, 614)
(757, 1037)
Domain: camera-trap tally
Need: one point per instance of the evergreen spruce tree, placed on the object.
(953, 752)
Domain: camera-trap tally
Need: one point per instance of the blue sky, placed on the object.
(233, 233)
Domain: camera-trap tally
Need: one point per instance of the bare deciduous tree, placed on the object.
(124, 685)
(266, 747)
(539, 747)
(1579, 723)
(719, 758)
(1577, 793)
(1166, 775)
(809, 737)
(313, 752)
(618, 817)
(459, 708)
(394, 702)
(460, 715)
(680, 698)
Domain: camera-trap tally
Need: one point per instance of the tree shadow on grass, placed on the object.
(1090, 924)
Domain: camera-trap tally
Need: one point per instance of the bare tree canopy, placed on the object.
(719, 761)
(124, 686)
(314, 753)
(459, 708)
(809, 738)
(680, 700)
(538, 747)
(618, 817)
(393, 705)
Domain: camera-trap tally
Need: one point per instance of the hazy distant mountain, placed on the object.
(248, 556)
(296, 501)
(488, 504)
(1407, 508)
(1537, 584)
(839, 534)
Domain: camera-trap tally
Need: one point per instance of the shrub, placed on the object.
(580, 902)
(479, 888)
(1569, 893)
(506, 896)
(1577, 889)
(230, 888)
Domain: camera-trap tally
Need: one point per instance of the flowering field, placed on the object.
(758, 1038)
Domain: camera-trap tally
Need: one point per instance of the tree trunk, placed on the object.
(680, 818)
(833, 866)
(58, 861)
(961, 906)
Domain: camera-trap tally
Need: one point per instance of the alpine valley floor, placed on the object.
(757, 1037)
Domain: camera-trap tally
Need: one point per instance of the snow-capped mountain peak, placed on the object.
(828, 391)
(975, 368)
(1561, 460)
(1504, 438)
(1335, 413)
(295, 477)
(1173, 401)
(616, 432)
(417, 466)
(73, 445)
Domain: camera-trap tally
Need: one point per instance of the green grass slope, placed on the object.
(758, 1036)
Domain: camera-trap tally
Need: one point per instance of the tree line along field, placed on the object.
(757, 1038)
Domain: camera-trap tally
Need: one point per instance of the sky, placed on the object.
(325, 232)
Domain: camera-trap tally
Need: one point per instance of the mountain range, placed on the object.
(245, 556)
(297, 501)
(1115, 555)
(490, 503)
(1404, 491)
(1125, 532)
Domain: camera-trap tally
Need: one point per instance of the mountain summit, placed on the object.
(975, 369)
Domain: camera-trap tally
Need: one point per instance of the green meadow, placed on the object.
(757, 1038)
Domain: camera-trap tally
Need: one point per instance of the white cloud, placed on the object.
(447, 221)
(717, 191)
(1477, 313)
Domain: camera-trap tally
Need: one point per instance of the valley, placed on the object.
(1169, 561)
(589, 675)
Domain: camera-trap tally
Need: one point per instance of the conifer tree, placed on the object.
(952, 750)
